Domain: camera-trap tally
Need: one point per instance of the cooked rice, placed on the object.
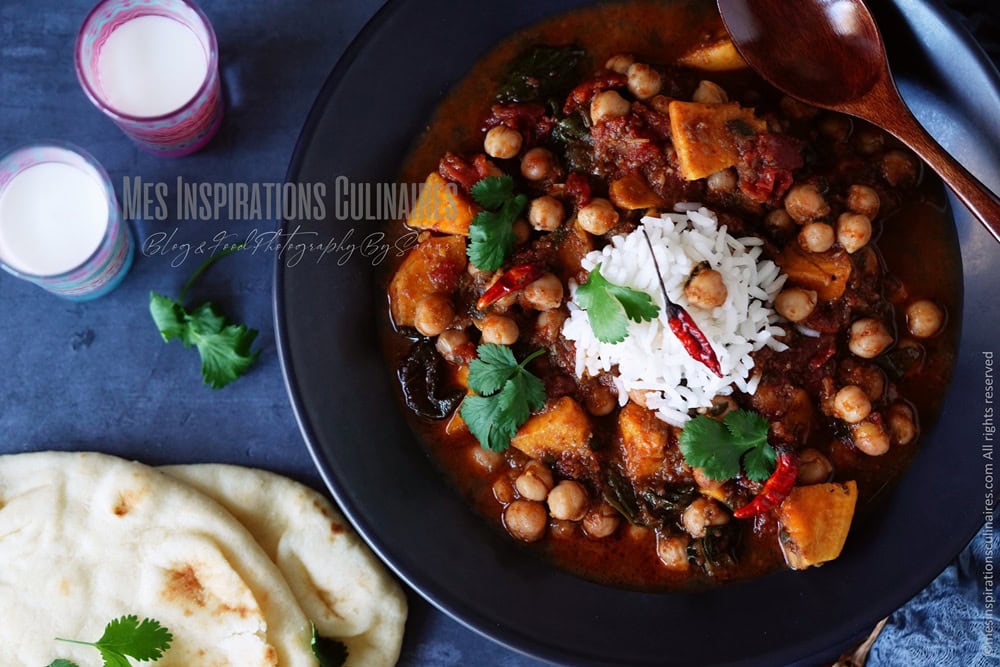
(651, 359)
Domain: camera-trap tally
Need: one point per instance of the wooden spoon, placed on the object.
(829, 53)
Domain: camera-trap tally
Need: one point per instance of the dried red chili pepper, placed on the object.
(776, 488)
(683, 325)
(514, 279)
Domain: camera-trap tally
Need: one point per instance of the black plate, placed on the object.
(376, 101)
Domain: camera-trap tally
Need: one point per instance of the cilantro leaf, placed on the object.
(718, 448)
(610, 306)
(507, 395)
(491, 234)
(490, 371)
(759, 463)
(127, 637)
(329, 652)
(62, 662)
(705, 443)
(224, 348)
(493, 192)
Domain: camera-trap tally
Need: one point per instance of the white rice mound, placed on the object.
(651, 359)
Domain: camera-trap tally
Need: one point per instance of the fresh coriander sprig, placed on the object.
(507, 393)
(224, 348)
(491, 234)
(719, 448)
(610, 306)
(329, 652)
(125, 638)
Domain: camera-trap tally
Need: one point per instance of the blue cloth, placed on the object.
(951, 622)
(97, 376)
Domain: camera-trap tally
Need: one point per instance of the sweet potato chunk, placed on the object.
(643, 440)
(715, 56)
(633, 192)
(433, 267)
(572, 248)
(562, 429)
(705, 135)
(815, 520)
(442, 208)
(826, 272)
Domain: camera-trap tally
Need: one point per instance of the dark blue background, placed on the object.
(97, 376)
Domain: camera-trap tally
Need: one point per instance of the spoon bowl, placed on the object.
(830, 54)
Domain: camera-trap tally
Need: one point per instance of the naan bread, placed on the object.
(336, 579)
(85, 538)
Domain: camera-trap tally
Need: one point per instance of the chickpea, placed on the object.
(709, 93)
(538, 164)
(816, 237)
(598, 217)
(433, 314)
(503, 490)
(502, 142)
(851, 404)
(924, 318)
(601, 521)
(535, 482)
(814, 468)
(661, 104)
(779, 223)
(499, 330)
(705, 483)
(721, 181)
(854, 231)
(522, 231)
(902, 423)
(637, 396)
(525, 520)
(869, 141)
(546, 214)
(600, 401)
(701, 514)
(805, 203)
(870, 438)
(620, 62)
(796, 304)
(546, 293)
(899, 168)
(864, 200)
(451, 343)
(869, 338)
(488, 460)
(549, 325)
(706, 289)
(608, 104)
(836, 127)
(568, 501)
(672, 551)
(643, 81)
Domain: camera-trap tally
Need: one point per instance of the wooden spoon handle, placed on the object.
(984, 204)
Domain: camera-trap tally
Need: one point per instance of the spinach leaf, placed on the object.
(542, 73)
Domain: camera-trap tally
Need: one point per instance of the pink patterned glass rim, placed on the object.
(110, 262)
(181, 131)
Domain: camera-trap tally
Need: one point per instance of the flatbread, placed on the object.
(336, 579)
(85, 538)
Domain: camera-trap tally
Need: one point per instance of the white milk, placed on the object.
(150, 66)
(52, 219)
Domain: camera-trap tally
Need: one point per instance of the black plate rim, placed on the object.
(457, 609)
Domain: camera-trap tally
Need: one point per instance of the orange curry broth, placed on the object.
(918, 245)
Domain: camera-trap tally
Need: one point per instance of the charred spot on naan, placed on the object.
(127, 500)
(184, 587)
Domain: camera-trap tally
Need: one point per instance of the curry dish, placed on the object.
(662, 324)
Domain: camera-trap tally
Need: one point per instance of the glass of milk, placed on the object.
(152, 66)
(60, 225)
